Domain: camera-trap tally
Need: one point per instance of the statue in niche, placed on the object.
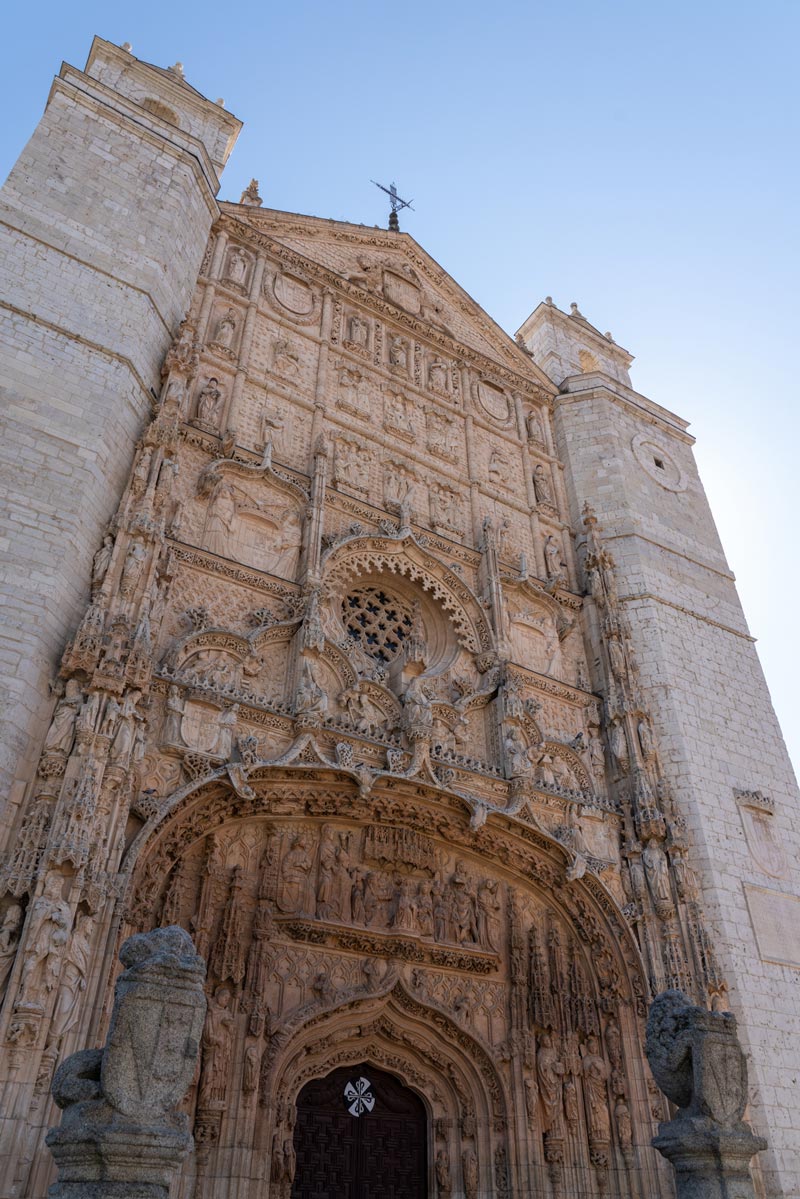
(405, 916)
(365, 716)
(285, 358)
(417, 706)
(132, 570)
(209, 403)
(174, 716)
(310, 700)
(654, 861)
(220, 516)
(531, 1100)
(72, 981)
(443, 502)
(595, 1078)
(284, 1158)
(271, 423)
(111, 715)
(534, 428)
(359, 331)
(326, 907)
(225, 330)
(217, 1046)
(622, 1116)
(597, 755)
(126, 730)
(469, 1166)
(425, 908)
(437, 377)
(48, 933)
(398, 354)
(463, 906)
(357, 892)
(250, 1069)
(351, 464)
(645, 734)
(101, 562)
(685, 877)
(542, 486)
(550, 1073)
(398, 485)
(61, 734)
(441, 919)
(571, 1102)
(9, 943)
(141, 472)
(399, 414)
(554, 567)
(619, 746)
(227, 726)
(378, 898)
(517, 753)
(444, 1182)
(616, 656)
(498, 469)
(295, 868)
(489, 911)
(544, 771)
(237, 266)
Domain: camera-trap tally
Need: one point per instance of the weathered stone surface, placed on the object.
(120, 1135)
(696, 1059)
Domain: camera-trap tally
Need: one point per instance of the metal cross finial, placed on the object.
(395, 202)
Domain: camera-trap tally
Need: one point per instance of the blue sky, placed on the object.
(641, 159)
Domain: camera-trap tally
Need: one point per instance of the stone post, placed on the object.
(698, 1063)
(120, 1136)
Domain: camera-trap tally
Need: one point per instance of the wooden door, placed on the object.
(360, 1134)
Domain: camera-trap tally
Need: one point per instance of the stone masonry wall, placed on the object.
(716, 727)
(103, 223)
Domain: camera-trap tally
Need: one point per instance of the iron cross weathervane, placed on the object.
(395, 202)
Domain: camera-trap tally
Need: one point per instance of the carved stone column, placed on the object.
(696, 1059)
(121, 1136)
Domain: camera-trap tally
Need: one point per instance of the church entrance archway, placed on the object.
(360, 1133)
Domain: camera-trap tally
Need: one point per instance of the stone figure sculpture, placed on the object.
(542, 486)
(72, 982)
(217, 1050)
(61, 733)
(9, 941)
(595, 1077)
(550, 1073)
(48, 931)
(209, 403)
(121, 1134)
(698, 1063)
(469, 1166)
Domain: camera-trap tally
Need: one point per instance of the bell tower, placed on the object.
(103, 224)
(726, 764)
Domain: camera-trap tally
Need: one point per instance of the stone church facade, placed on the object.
(395, 660)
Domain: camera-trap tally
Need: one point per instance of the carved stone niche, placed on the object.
(237, 269)
(354, 392)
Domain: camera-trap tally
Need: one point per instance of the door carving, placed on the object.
(360, 1133)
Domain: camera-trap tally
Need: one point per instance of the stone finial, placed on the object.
(250, 195)
(177, 69)
(127, 47)
(698, 1063)
(121, 1134)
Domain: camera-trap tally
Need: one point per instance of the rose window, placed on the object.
(378, 621)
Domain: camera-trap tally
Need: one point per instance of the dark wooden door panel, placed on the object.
(378, 1153)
